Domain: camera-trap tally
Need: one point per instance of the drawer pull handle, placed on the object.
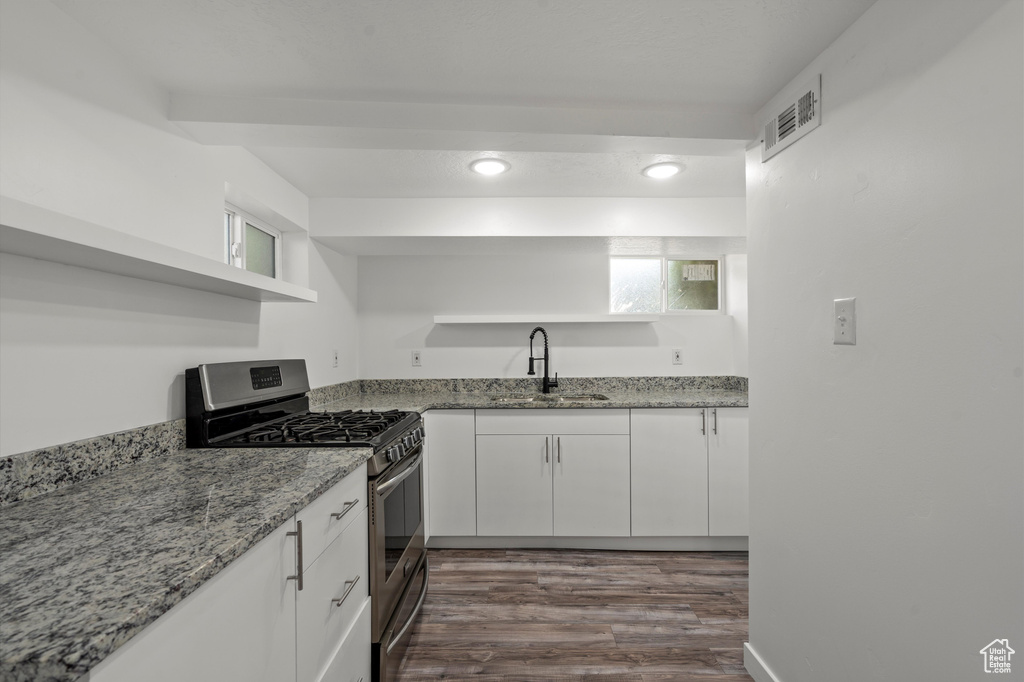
(349, 506)
(298, 554)
(351, 583)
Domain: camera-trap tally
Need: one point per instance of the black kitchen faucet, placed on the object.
(548, 383)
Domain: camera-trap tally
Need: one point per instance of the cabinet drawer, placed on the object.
(319, 527)
(351, 663)
(320, 622)
(568, 421)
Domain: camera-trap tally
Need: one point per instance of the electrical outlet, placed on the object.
(416, 359)
(335, 363)
(844, 322)
(677, 356)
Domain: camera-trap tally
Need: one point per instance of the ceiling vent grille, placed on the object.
(798, 115)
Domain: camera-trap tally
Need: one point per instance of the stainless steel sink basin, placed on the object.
(580, 398)
(548, 397)
(513, 398)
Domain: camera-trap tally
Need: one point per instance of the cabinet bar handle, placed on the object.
(714, 414)
(349, 506)
(703, 422)
(547, 449)
(559, 440)
(351, 583)
(298, 554)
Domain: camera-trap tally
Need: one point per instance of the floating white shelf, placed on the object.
(542, 319)
(36, 232)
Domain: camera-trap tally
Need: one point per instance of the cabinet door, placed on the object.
(513, 477)
(352, 662)
(669, 472)
(450, 472)
(240, 625)
(728, 486)
(321, 623)
(591, 485)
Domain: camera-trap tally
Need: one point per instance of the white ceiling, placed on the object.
(578, 95)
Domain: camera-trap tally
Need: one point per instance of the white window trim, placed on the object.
(664, 285)
(234, 243)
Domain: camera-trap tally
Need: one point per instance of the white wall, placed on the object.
(399, 295)
(887, 478)
(82, 134)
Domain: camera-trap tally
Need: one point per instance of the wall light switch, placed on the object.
(844, 322)
(416, 360)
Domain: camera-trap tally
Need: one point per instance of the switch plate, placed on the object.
(416, 359)
(844, 322)
(677, 356)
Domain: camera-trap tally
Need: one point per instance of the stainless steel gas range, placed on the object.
(264, 404)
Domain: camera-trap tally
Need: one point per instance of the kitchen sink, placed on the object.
(514, 398)
(579, 398)
(548, 397)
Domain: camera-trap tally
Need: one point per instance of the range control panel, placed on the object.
(265, 377)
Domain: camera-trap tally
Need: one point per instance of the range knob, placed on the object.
(395, 452)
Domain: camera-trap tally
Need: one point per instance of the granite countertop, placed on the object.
(454, 400)
(85, 568)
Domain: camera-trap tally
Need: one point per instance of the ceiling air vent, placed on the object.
(797, 115)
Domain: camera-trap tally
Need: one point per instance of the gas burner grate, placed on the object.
(349, 426)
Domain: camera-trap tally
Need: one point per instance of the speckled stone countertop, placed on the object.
(421, 402)
(85, 568)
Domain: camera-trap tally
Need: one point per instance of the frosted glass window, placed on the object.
(251, 244)
(692, 285)
(635, 285)
(260, 249)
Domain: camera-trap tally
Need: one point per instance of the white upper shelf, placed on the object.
(36, 232)
(542, 319)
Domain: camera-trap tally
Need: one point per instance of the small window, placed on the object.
(659, 285)
(251, 244)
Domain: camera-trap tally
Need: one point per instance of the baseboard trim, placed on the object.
(680, 544)
(756, 667)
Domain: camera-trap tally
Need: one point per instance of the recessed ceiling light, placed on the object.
(489, 166)
(660, 171)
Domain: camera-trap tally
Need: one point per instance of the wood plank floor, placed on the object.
(605, 616)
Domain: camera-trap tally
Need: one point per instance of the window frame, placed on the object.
(236, 220)
(720, 274)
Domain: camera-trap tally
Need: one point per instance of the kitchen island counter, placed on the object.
(88, 566)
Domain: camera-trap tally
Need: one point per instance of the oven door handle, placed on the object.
(395, 639)
(383, 488)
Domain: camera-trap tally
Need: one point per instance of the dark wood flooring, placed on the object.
(605, 616)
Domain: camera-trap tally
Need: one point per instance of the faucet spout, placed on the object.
(547, 383)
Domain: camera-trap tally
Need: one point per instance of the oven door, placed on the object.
(388, 654)
(396, 534)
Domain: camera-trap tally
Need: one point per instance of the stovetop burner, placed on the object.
(264, 404)
(349, 427)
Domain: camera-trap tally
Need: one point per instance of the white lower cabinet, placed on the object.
(728, 471)
(249, 622)
(450, 472)
(689, 471)
(335, 586)
(558, 472)
(669, 473)
(352, 661)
